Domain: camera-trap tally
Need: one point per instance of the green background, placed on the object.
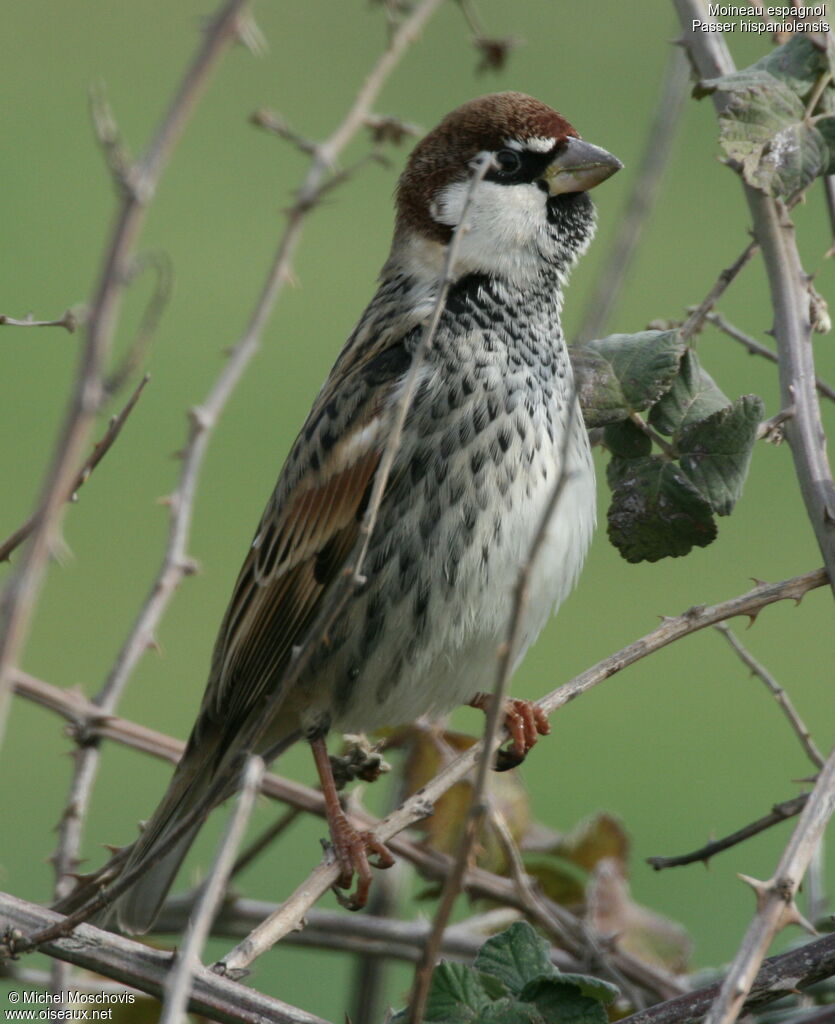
(682, 746)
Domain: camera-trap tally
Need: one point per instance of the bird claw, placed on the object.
(351, 849)
(524, 720)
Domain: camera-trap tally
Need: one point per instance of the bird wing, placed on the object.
(308, 529)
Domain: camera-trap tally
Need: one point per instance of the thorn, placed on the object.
(762, 890)
(199, 418)
(152, 644)
(752, 618)
(791, 915)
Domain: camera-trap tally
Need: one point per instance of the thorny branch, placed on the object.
(69, 321)
(18, 599)
(100, 449)
(146, 969)
(777, 691)
(779, 812)
(176, 562)
(779, 976)
(774, 233)
(693, 324)
(416, 807)
(775, 898)
(477, 882)
(758, 349)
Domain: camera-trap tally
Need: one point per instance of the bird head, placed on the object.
(530, 211)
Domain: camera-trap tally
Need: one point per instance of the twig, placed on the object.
(361, 934)
(477, 882)
(540, 911)
(187, 959)
(160, 262)
(264, 840)
(100, 449)
(778, 977)
(18, 599)
(366, 989)
(758, 349)
(145, 968)
(68, 321)
(641, 200)
(777, 691)
(176, 563)
(496, 709)
(775, 898)
(696, 618)
(693, 324)
(324, 876)
(653, 435)
(773, 430)
(31, 978)
(779, 812)
(788, 283)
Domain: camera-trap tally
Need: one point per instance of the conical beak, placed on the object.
(579, 167)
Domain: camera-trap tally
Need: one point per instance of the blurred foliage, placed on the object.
(514, 982)
(680, 746)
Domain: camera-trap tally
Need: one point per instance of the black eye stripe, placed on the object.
(518, 167)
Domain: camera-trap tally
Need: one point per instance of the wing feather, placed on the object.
(308, 529)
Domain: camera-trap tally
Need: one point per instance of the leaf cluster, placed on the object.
(778, 126)
(513, 981)
(650, 385)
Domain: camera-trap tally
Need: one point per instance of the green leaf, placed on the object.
(627, 440)
(798, 64)
(457, 995)
(656, 512)
(511, 1011)
(693, 396)
(624, 373)
(594, 988)
(763, 128)
(515, 956)
(563, 1002)
(716, 451)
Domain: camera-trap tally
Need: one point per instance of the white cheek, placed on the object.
(504, 225)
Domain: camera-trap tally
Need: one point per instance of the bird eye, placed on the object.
(508, 161)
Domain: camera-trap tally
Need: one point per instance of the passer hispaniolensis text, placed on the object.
(493, 414)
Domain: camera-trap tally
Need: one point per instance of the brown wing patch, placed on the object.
(320, 505)
(279, 587)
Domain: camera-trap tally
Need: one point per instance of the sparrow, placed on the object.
(493, 424)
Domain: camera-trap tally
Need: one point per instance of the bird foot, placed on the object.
(352, 848)
(524, 720)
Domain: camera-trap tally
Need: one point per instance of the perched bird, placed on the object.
(493, 414)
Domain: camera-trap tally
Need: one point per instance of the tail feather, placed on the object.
(136, 909)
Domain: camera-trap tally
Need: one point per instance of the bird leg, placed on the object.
(524, 720)
(351, 847)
